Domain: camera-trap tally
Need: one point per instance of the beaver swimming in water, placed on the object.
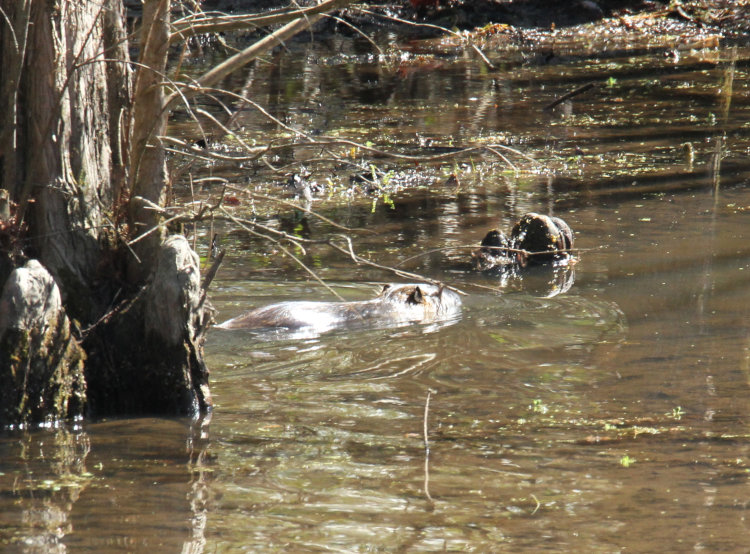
(542, 239)
(395, 305)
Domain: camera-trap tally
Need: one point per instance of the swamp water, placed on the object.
(602, 407)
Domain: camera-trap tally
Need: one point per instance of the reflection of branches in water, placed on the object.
(218, 212)
(559, 281)
(204, 85)
(51, 476)
(257, 152)
(463, 38)
(319, 148)
(197, 447)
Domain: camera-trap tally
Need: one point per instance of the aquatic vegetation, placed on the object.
(627, 461)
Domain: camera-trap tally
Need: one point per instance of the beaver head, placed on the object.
(542, 237)
(425, 302)
(493, 252)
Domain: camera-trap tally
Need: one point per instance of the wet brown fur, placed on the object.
(396, 304)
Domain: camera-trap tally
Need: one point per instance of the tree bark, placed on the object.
(56, 157)
(165, 373)
(149, 170)
(80, 156)
(41, 369)
(65, 151)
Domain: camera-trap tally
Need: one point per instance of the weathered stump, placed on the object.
(46, 375)
(41, 363)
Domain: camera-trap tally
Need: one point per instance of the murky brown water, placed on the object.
(611, 417)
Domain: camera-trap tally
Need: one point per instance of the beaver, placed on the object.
(395, 305)
(535, 239)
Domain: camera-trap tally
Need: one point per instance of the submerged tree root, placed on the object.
(165, 373)
(43, 377)
(41, 364)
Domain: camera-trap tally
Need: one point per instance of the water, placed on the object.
(607, 416)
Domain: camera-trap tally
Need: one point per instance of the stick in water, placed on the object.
(427, 447)
(571, 94)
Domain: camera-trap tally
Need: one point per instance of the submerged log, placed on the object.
(41, 363)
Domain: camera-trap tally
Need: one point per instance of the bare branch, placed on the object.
(215, 23)
(285, 251)
(407, 274)
(304, 19)
(296, 207)
(463, 38)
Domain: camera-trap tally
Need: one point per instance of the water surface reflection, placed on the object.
(598, 414)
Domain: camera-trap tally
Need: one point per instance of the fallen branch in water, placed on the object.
(568, 96)
(427, 447)
(493, 249)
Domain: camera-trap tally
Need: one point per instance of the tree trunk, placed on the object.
(55, 153)
(149, 359)
(81, 170)
(149, 170)
(65, 143)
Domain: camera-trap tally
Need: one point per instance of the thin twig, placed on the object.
(297, 207)
(502, 157)
(211, 22)
(571, 94)
(463, 38)
(494, 249)
(538, 505)
(261, 109)
(427, 447)
(406, 274)
(121, 307)
(211, 273)
(287, 252)
(201, 153)
(426, 415)
(358, 31)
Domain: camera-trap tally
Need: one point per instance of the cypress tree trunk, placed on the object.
(68, 132)
(149, 171)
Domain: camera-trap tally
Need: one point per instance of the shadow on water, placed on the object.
(599, 407)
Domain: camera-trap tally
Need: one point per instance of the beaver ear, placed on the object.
(416, 297)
